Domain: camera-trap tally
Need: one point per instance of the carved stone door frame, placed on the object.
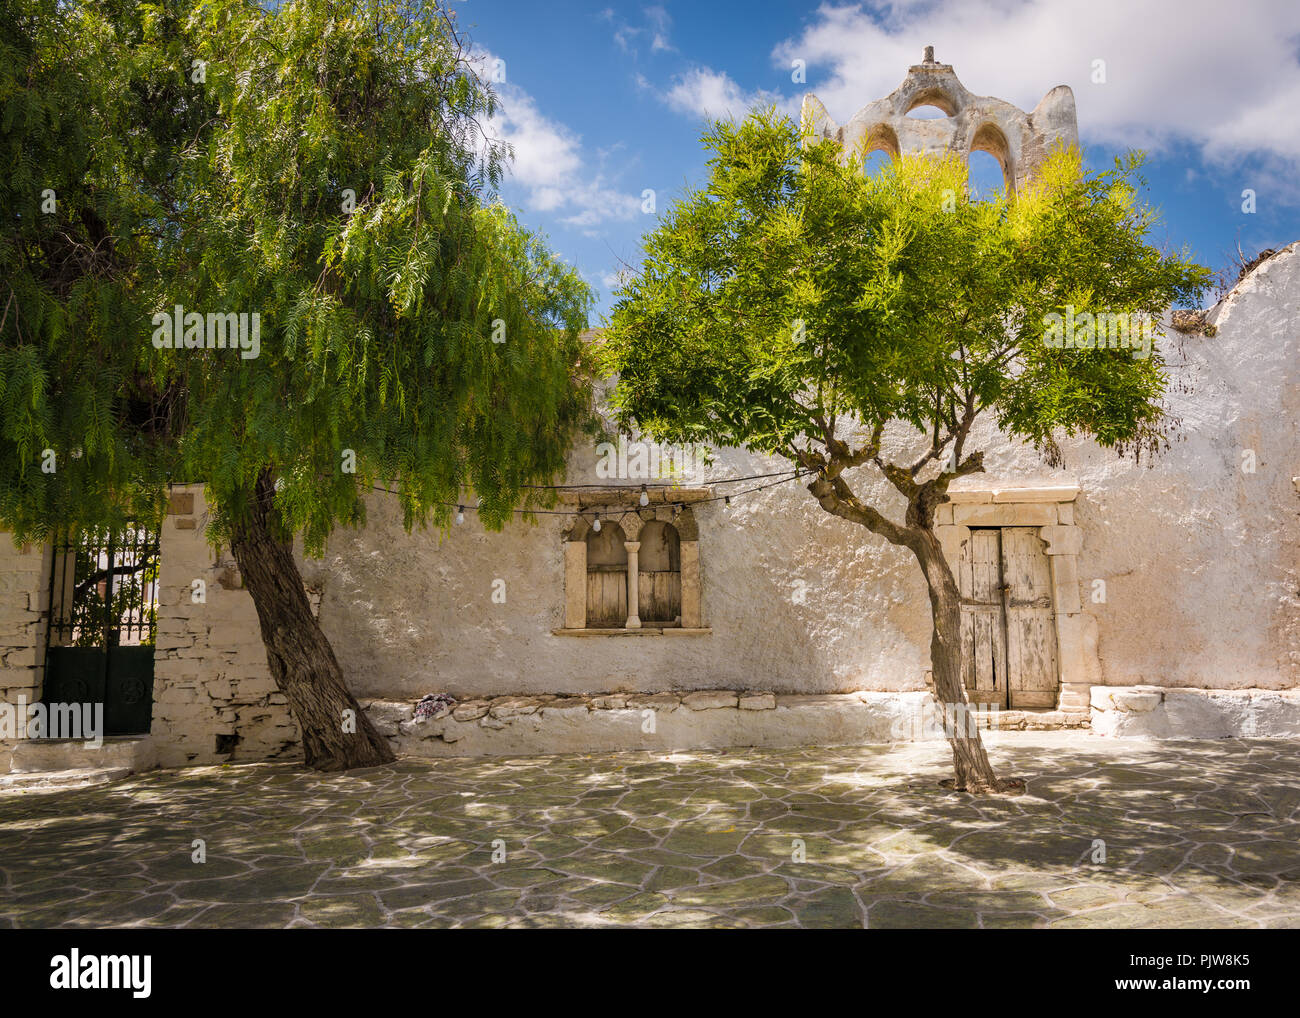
(1050, 508)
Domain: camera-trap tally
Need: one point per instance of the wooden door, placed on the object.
(606, 578)
(979, 579)
(1030, 622)
(659, 576)
(606, 598)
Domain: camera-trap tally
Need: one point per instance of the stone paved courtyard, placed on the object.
(1201, 834)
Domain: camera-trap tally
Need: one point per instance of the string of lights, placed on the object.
(783, 477)
(604, 487)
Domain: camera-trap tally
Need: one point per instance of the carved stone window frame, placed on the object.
(1050, 508)
(667, 505)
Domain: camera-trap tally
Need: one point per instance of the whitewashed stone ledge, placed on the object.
(1154, 712)
(682, 720)
(120, 754)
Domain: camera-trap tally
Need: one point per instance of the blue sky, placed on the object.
(603, 101)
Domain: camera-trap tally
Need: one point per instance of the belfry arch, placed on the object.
(989, 138)
(881, 138)
(1020, 141)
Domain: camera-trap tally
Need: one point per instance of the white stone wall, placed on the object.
(1153, 712)
(797, 601)
(671, 721)
(24, 601)
(1201, 562)
(211, 679)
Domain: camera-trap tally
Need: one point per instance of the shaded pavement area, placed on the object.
(1194, 834)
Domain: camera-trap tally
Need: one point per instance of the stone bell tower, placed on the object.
(1019, 141)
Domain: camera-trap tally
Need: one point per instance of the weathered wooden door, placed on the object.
(1030, 625)
(1008, 629)
(606, 578)
(659, 577)
(983, 650)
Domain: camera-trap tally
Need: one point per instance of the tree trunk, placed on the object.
(302, 661)
(970, 763)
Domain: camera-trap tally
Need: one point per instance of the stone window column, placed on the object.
(632, 518)
(692, 618)
(633, 584)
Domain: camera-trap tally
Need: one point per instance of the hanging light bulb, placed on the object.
(645, 496)
(460, 515)
(596, 524)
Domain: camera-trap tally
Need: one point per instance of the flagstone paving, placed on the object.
(1198, 834)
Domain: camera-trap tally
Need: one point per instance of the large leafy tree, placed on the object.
(73, 250)
(863, 323)
(324, 166)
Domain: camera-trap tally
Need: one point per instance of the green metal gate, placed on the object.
(103, 624)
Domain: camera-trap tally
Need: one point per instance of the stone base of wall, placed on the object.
(665, 722)
(1033, 720)
(130, 754)
(1154, 712)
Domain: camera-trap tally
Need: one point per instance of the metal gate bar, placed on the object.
(104, 589)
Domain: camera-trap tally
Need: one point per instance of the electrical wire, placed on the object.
(794, 475)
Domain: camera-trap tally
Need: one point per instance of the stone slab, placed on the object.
(1153, 712)
(993, 515)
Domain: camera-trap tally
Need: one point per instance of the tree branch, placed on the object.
(835, 496)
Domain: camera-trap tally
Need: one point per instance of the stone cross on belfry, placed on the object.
(1019, 140)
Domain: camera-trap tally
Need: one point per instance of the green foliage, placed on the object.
(227, 195)
(66, 276)
(792, 292)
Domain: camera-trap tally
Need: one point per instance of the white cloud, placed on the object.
(704, 92)
(550, 166)
(1222, 76)
(657, 25)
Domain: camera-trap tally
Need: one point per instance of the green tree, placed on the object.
(324, 167)
(797, 307)
(76, 427)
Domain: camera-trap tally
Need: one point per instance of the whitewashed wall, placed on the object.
(1201, 561)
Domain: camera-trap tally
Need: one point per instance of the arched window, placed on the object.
(879, 149)
(932, 98)
(640, 573)
(606, 578)
(989, 138)
(659, 588)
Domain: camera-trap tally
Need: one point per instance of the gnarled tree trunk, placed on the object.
(302, 661)
(970, 763)
(973, 772)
